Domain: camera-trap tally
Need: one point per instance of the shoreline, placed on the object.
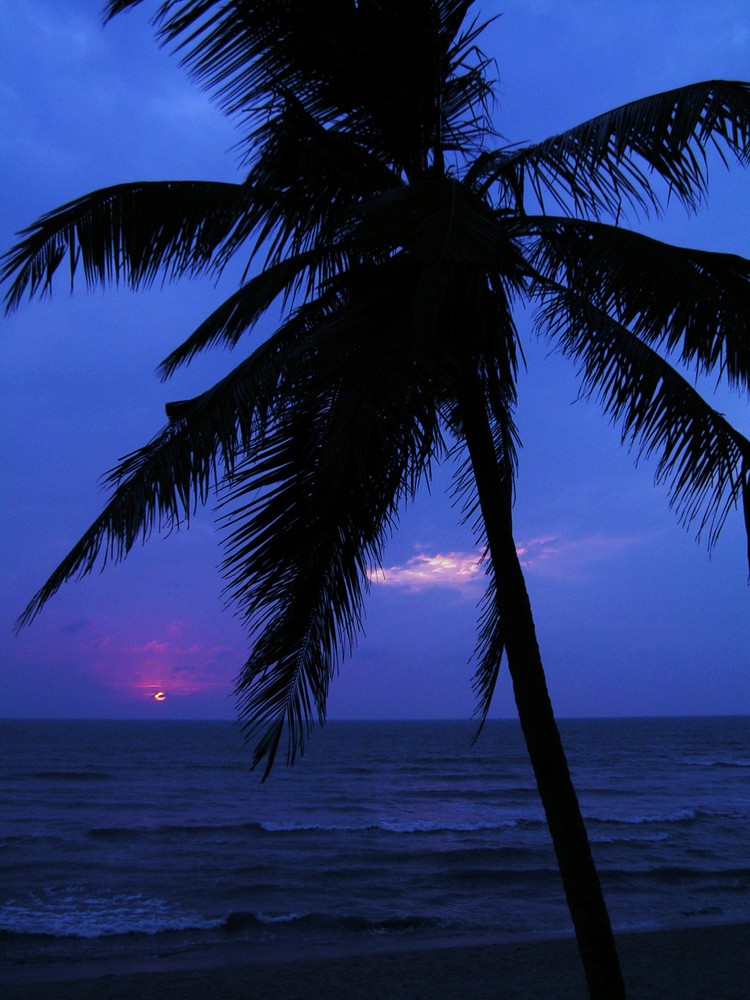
(685, 963)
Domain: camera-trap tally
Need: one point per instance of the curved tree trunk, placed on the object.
(580, 879)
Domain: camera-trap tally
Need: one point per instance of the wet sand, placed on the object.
(686, 964)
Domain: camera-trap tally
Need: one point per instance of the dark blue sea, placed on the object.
(156, 839)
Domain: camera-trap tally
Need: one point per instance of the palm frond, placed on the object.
(490, 647)
(608, 164)
(114, 7)
(239, 314)
(496, 409)
(701, 458)
(489, 651)
(693, 304)
(297, 562)
(308, 516)
(466, 94)
(299, 587)
(128, 233)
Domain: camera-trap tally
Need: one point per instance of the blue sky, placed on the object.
(633, 616)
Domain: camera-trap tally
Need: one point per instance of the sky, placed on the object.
(633, 616)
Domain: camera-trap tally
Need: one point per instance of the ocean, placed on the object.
(157, 840)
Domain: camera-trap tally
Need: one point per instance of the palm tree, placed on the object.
(401, 236)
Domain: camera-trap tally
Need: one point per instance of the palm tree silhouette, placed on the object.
(401, 236)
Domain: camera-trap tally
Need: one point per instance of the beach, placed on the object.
(694, 963)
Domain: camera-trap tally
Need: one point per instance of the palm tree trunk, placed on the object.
(580, 879)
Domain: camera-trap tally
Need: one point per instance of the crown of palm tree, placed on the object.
(401, 236)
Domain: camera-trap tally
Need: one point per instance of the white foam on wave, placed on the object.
(279, 918)
(644, 838)
(428, 826)
(677, 816)
(86, 912)
(399, 826)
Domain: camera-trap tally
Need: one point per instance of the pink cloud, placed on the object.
(449, 569)
(547, 555)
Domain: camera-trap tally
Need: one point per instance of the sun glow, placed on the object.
(160, 696)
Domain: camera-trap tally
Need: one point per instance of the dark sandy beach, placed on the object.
(710, 963)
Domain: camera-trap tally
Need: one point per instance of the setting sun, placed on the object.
(160, 696)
